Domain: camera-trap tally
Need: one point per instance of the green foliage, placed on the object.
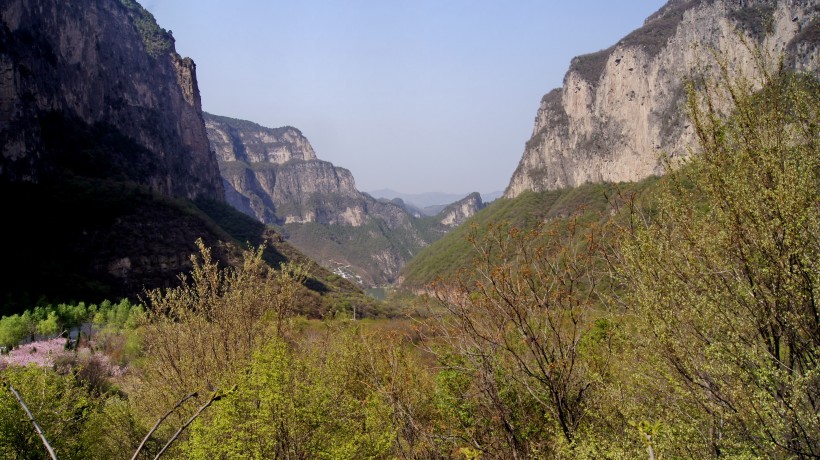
(528, 354)
(202, 333)
(61, 406)
(52, 320)
(14, 328)
(443, 259)
(48, 326)
(156, 39)
(307, 405)
(724, 279)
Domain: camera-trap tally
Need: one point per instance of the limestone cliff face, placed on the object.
(239, 140)
(455, 214)
(274, 176)
(95, 89)
(620, 109)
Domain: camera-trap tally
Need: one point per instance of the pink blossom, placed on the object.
(41, 352)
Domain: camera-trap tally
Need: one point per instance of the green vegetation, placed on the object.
(723, 282)
(51, 320)
(373, 242)
(674, 318)
(68, 412)
(156, 39)
(442, 259)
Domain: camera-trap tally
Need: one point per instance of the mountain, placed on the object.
(419, 200)
(106, 173)
(454, 252)
(600, 135)
(429, 203)
(455, 214)
(621, 108)
(273, 175)
(97, 90)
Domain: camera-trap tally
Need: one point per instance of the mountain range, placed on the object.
(110, 170)
(274, 175)
(430, 200)
(620, 116)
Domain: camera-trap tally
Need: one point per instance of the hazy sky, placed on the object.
(422, 95)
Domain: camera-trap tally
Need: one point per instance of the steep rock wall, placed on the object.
(95, 89)
(621, 109)
(240, 140)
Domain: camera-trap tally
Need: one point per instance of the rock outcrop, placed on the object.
(621, 109)
(456, 213)
(95, 89)
(274, 176)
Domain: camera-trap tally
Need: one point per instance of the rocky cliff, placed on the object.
(95, 89)
(274, 176)
(621, 109)
(107, 178)
(456, 213)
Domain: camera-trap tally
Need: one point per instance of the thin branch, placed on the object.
(33, 422)
(216, 396)
(161, 419)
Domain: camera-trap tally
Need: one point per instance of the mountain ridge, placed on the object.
(316, 204)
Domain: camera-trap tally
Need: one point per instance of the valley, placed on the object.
(183, 284)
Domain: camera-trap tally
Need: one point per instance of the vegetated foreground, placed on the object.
(679, 323)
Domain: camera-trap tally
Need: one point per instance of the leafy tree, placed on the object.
(724, 279)
(13, 329)
(522, 329)
(309, 403)
(201, 335)
(49, 326)
(61, 407)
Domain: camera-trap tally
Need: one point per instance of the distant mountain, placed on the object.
(419, 200)
(492, 196)
(274, 175)
(430, 203)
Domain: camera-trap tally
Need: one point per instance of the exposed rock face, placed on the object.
(455, 214)
(621, 109)
(274, 176)
(95, 89)
(102, 140)
(239, 140)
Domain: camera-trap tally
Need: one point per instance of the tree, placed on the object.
(200, 336)
(61, 406)
(309, 402)
(724, 278)
(523, 328)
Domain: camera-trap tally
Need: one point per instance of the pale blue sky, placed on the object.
(417, 96)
